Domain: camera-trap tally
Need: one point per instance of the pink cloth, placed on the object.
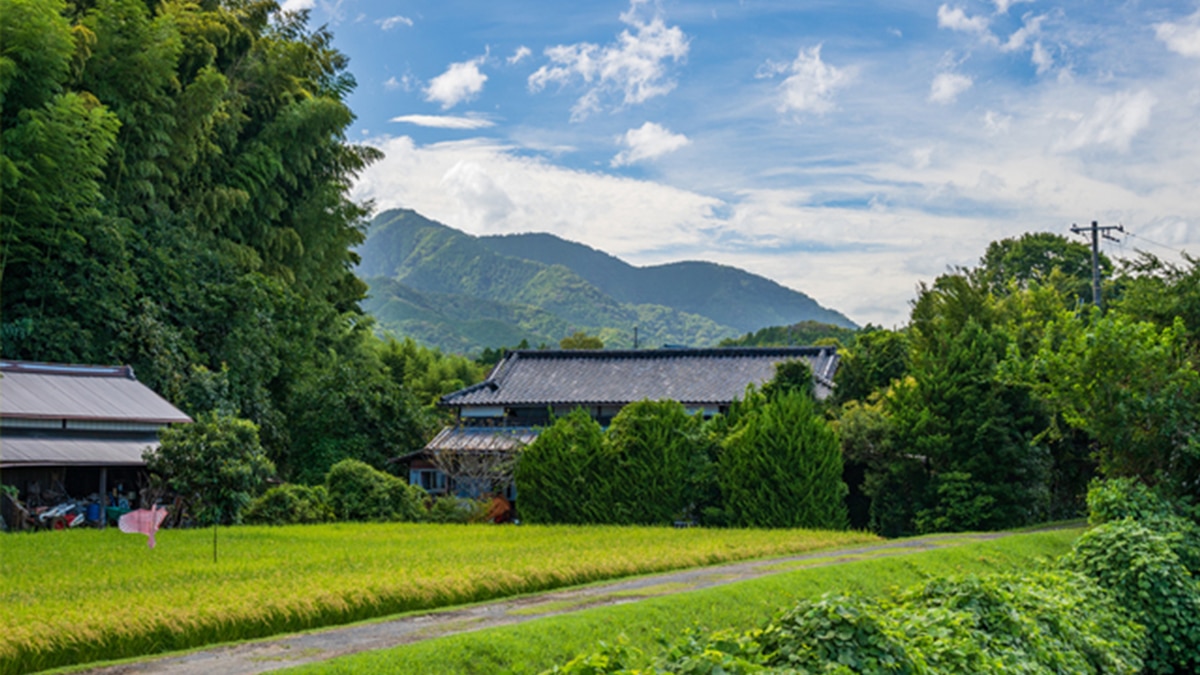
(143, 521)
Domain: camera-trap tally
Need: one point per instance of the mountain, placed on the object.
(727, 295)
(462, 293)
(446, 289)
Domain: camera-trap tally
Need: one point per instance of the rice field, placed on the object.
(80, 596)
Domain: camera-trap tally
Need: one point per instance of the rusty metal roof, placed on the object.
(481, 439)
(75, 392)
(617, 377)
(19, 451)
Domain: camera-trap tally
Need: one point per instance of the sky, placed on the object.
(849, 150)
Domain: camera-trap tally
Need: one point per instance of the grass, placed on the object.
(537, 645)
(82, 596)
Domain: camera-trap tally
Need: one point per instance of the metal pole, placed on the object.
(1096, 299)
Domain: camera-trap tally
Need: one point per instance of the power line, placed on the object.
(1097, 231)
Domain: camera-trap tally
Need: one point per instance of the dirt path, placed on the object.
(282, 652)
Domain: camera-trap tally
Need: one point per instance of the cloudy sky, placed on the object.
(845, 149)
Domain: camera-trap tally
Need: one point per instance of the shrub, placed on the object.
(657, 450)
(450, 509)
(359, 492)
(782, 467)
(1117, 498)
(1044, 623)
(1146, 576)
(561, 477)
(290, 505)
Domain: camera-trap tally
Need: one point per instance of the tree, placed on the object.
(564, 475)
(657, 453)
(215, 464)
(1131, 387)
(581, 340)
(1032, 257)
(872, 362)
(781, 466)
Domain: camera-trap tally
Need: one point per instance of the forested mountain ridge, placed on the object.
(551, 290)
(727, 295)
(448, 289)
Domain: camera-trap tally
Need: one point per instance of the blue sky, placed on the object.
(849, 150)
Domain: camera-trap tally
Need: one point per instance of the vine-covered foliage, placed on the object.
(173, 195)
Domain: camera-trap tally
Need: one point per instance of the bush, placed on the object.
(782, 467)
(450, 509)
(359, 492)
(1044, 623)
(1118, 498)
(290, 505)
(561, 477)
(1139, 567)
(657, 451)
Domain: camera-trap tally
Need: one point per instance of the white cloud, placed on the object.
(648, 141)
(810, 84)
(995, 123)
(296, 5)
(1041, 58)
(393, 21)
(1003, 5)
(1183, 37)
(461, 82)
(954, 18)
(947, 86)
(445, 121)
(1113, 122)
(519, 55)
(633, 68)
(406, 83)
(1020, 37)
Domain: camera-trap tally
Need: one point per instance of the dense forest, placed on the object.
(173, 195)
(1009, 390)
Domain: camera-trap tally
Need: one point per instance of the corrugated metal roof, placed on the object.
(482, 439)
(618, 377)
(74, 451)
(57, 391)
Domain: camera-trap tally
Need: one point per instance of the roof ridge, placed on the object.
(76, 369)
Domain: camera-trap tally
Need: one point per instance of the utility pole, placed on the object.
(1097, 232)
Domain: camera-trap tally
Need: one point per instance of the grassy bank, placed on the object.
(81, 596)
(537, 645)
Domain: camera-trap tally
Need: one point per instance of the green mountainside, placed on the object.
(727, 295)
(462, 293)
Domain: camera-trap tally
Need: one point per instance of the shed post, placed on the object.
(103, 497)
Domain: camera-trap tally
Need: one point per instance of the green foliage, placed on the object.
(657, 454)
(1033, 258)
(450, 509)
(428, 373)
(793, 375)
(289, 505)
(781, 466)
(1040, 623)
(564, 475)
(802, 334)
(173, 194)
(871, 363)
(581, 340)
(1162, 292)
(1147, 578)
(359, 492)
(1118, 498)
(215, 463)
(958, 418)
(1130, 386)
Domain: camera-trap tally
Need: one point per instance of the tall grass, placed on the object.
(80, 596)
(532, 647)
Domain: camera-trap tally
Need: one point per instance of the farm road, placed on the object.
(269, 654)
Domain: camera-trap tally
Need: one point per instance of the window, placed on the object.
(432, 480)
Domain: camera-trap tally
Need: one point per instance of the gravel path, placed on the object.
(269, 654)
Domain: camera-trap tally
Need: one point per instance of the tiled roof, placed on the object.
(68, 392)
(617, 377)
